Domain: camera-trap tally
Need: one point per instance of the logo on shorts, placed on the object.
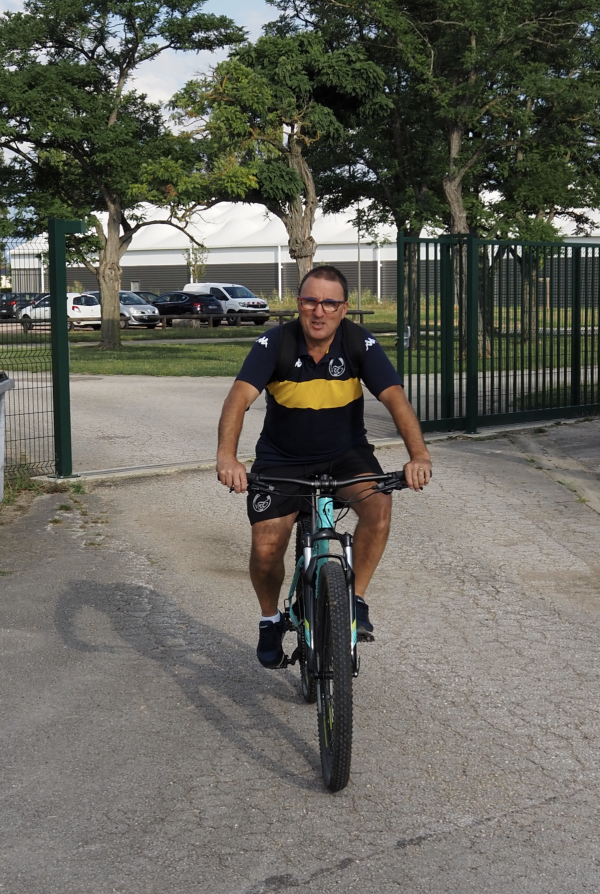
(337, 367)
(261, 502)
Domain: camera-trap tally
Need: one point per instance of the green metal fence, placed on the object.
(499, 331)
(26, 356)
(36, 356)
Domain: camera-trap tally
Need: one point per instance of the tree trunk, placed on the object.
(412, 298)
(452, 183)
(300, 217)
(458, 214)
(109, 280)
(529, 286)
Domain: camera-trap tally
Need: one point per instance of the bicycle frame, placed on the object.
(323, 622)
(315, 554)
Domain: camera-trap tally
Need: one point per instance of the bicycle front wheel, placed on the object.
(334, 681)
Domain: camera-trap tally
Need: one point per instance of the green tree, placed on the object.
(267, 105)
(487, 85)
(83, 143)
(196, 257)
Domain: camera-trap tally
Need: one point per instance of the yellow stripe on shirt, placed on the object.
(320, 394)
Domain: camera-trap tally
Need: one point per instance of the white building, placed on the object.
(248, 245)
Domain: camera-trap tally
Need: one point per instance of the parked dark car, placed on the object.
(200, 306)
(149, 297)
(12, 302)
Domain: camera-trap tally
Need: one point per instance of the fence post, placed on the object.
(447, 326)
(400, 304)
(57, 229)
(472, 389)
(576, 327)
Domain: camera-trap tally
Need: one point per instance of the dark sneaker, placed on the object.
(269, 650)
(364, 628)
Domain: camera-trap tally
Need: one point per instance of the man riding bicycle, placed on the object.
(314, 424)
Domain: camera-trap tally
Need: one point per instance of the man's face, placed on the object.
(319, 326)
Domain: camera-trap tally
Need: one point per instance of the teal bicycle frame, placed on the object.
(315, 554)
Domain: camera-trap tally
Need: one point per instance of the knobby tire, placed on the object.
(309, 684)
(335, 683)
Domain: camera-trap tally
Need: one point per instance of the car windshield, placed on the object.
(129, 298)
(238, 292)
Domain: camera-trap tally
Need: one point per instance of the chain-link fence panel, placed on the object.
(25, 356)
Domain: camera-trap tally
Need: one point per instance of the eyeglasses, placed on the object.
(329, 305)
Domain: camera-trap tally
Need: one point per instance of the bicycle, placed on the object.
(321, 609)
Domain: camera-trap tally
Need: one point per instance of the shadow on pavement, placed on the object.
(209, 665)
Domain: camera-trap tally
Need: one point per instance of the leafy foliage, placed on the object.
(266, 106)
(487, 120)
(83, 143)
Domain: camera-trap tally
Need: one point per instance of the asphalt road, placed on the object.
(127, 421)
(145, 750)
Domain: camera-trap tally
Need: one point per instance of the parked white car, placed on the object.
(82, 310)
(235, 299)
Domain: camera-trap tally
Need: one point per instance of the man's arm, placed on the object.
(231, 472)
(418, 470)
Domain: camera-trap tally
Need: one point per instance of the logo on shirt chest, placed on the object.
(337, 367)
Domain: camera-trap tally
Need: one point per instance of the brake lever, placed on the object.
(257, 487)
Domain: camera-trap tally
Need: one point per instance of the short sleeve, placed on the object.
(378, 373)
(259, 366)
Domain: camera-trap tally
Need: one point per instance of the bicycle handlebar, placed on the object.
(397, 480)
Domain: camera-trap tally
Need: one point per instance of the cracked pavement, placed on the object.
(145, 750)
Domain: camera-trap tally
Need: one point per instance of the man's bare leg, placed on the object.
(371, 533)
(269, 543)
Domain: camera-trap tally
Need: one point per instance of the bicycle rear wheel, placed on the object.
(334, 687)
(309, 684)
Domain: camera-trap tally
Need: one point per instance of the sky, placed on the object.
(162, 78)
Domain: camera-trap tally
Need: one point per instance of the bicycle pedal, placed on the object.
(289, 660)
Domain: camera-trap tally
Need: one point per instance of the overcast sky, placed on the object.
(161, 79)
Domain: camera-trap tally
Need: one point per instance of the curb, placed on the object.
(125, 473)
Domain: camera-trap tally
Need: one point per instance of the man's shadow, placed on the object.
(209, 666)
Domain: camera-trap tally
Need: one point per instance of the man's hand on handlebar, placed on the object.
(232, 474)
(418, 473)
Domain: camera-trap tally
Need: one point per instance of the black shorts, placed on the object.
(358, 461)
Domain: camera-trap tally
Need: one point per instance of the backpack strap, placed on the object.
(353, 339)
(287, 349)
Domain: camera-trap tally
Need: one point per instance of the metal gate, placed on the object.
(500, 331)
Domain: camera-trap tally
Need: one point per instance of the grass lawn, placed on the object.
(85, 336)
(170, 360)
(161, 360)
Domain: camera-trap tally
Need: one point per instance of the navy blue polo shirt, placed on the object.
(317, 413)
